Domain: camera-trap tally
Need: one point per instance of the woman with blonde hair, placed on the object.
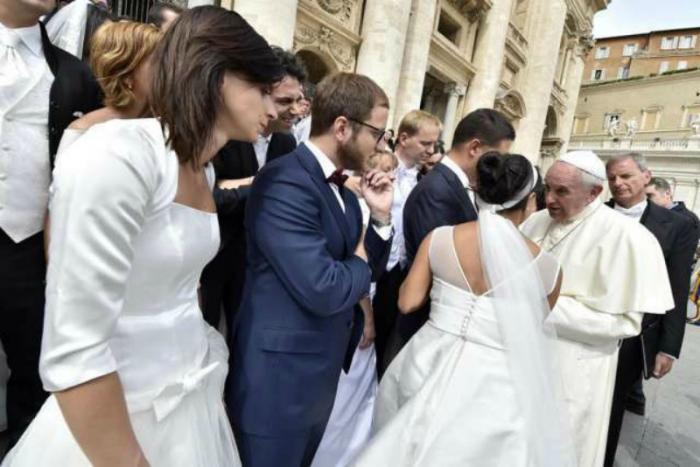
(120, 55)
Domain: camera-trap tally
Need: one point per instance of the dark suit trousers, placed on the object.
(629, 369)
(22, 283)
(293, 450)
(386, 309)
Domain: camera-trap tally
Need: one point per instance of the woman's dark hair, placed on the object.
(502, 177)
(189, 66)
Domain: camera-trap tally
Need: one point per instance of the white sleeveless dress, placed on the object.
(448, 398)
(125, 261)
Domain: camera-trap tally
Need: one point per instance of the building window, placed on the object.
(598, 75)
(610, 120)
(687, 42)
(623, 72)
(581, 125)
(651, 118)
(629, 50)
(449, 28)
(669, 43)
(663, 68)
(602, 52)
(682, 65)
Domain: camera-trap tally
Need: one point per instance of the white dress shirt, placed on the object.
(302, 130)
(260, 146)
(406, 180)
(25, 168)
(461, 174)
(328, 167)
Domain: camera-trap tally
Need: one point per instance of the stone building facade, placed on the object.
(658, 116)
(524, 57)
(647, 54)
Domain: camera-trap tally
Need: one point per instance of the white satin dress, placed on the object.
(448, 398)
(125, 261)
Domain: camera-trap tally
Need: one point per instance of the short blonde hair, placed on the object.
(412, 122)
(117, 49)
(378, 156)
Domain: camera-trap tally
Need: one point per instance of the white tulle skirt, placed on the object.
(186, 427)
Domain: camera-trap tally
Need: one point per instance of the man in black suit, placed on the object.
(653, 352)
(236, 164)
(44, 89)
(445, 197)
(659, 191)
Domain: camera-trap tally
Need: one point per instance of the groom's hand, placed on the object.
(378, 191)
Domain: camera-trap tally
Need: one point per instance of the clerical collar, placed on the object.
(635, 212)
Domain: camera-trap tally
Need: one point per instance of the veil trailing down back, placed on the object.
(478, 384)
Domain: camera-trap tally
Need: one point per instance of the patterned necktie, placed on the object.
(338, 178)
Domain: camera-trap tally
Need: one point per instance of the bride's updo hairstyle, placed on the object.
(503, 177)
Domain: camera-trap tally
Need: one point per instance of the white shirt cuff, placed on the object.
(669, 356)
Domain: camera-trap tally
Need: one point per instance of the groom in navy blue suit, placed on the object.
(309, 264)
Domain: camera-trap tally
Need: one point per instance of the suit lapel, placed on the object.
(456, 186)
(352, 212)
(308, 161)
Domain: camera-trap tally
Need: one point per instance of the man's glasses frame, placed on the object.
(380, 131)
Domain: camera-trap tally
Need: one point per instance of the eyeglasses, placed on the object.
(379, 133)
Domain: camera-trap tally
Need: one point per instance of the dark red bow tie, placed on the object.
(337, 177)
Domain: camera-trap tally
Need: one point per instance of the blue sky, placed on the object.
(633, 16)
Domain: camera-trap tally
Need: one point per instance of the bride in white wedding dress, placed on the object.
(477, 385)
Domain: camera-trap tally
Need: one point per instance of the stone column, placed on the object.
(489, 56)
(275, 21)
(454, 91)
(384, 29)
(415, 57)
(544, 40)
(574, 77)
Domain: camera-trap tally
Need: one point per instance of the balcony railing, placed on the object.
(626, 144)
(517, 37)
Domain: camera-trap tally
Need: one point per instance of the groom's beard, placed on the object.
(350, 156)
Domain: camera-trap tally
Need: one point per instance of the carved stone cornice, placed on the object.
(342, 9)
(324, 39)
(473, 10)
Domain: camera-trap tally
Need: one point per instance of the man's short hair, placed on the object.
(291, 64)
(348, 95)
(155, 13)
(660, 184)
(413, 121)
(489, 126)
(638, 159)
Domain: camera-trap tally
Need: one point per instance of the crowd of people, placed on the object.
(207, 260)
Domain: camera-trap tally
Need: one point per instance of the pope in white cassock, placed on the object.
(613, 272)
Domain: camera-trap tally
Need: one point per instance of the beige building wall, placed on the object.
(449, 57)
(654, 53)
(658, 116)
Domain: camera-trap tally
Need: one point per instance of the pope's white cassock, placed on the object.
(613, 271)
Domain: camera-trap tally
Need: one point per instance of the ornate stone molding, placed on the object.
(585, 43)
(512, 104)
(455, 89)
(324, 39)
(474, 10)
(340, 8)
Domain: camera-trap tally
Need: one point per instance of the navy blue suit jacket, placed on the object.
(439, 199)
(298, 323)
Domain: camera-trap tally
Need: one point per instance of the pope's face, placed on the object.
(566, 193)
